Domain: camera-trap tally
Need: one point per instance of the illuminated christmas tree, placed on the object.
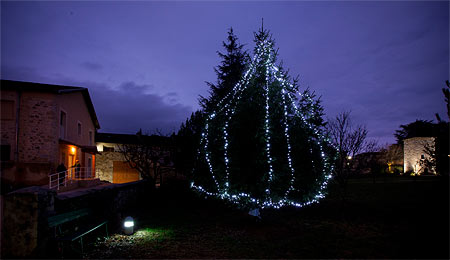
(262, 146)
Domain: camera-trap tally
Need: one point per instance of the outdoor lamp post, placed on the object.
(128, 225)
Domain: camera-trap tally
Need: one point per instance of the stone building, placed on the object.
(111, 165)
(42, 126)
(414, 153)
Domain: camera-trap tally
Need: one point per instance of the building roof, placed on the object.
(156, 140)
(49, 88)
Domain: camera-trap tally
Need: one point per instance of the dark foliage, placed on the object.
(229, 72)
(247, 139)
(419, 128)
(446, 92)
(188, 140)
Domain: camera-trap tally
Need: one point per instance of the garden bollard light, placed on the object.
(128, 226)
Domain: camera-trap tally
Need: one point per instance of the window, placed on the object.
(7, 109)
(90, 137)
(108, 149)
(5, 152)
(79, 129)
(422, 157)
(62, 125)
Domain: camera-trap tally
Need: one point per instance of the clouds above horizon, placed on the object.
(120, 109)
(385, 61)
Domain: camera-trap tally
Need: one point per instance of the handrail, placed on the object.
(59, 179)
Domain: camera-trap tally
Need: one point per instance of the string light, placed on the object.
(264, 56)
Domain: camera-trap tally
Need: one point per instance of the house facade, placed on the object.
(42, 126)
(414, 154)
(111, 165)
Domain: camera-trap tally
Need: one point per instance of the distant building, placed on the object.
(111, 165)
(368, 163)
(42, 126)
(393, 157)
(414, 154)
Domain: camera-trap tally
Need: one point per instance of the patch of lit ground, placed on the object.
(139, 243)
(380, 220)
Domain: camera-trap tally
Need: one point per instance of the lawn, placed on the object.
(391, 218)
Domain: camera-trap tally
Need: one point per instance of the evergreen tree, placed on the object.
(228, 72)
(187, 139)
(446, 92)
(419, 128)
(262, 146)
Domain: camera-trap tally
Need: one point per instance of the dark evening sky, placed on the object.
(145, 63)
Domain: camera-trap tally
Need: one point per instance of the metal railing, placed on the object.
(62, 179)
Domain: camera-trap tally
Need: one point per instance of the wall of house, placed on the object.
(39, 151)
(8, 120)
(37, 146)
(38, 121)
(75, 107)
(413, 149)
(104, 165)
(37, 127)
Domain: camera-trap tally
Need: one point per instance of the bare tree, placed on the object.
(348, 140)
(146, 156)
(392, 155)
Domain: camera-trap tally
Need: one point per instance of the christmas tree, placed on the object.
(229, 72)
(232, 66)
(262, 145)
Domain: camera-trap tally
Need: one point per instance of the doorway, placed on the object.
(70, 163)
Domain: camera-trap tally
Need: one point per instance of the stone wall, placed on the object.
(19, 175)
(104, 165)
(8, 126)
(24, 222)
(413, 150)
(105, 200)
(38, 138)
(25, 231)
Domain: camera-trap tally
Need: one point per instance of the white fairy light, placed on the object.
(227, 106)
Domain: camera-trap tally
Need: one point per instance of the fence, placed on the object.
(62, 179)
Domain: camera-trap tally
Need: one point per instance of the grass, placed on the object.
(392, 218)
